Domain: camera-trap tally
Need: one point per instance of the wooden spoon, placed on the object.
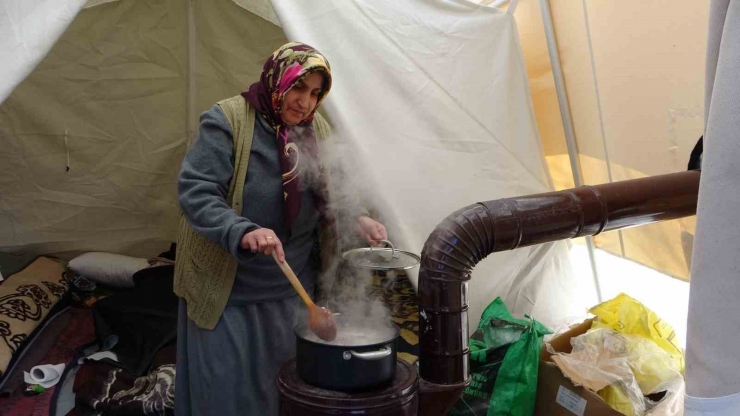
(320, 320)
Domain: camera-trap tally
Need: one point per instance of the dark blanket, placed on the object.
(104, 387)
(78, 332)
(143, 319)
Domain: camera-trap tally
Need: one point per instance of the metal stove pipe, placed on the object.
(469, 235)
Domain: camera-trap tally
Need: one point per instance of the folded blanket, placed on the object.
(102, 386)
(26, 298)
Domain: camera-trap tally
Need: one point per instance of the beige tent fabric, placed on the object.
(634, 76)
(713, 363)
(80, 104)
(232, 44)
(117, 83)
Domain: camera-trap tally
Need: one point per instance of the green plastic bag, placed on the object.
(504, 360)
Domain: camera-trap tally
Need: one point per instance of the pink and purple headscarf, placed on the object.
(288, 65)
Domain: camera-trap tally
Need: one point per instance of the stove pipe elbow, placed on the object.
(467, 236)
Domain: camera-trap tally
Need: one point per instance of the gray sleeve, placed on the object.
(203, 185)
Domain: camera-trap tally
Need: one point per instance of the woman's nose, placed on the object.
(303, 101)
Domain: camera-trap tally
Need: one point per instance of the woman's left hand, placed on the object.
(370, 230)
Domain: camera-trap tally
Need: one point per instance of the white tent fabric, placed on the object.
(431, 97)
(28, 30)
(719, 406)
(714, 311)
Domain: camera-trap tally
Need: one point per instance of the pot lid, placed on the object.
(382, 258)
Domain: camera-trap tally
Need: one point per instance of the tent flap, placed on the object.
(432, 101)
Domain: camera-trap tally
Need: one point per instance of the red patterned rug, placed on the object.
(80, 331)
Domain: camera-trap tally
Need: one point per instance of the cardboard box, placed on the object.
(556, 395)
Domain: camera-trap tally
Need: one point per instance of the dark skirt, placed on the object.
(231, 370)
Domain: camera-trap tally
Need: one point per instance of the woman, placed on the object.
(238, 309)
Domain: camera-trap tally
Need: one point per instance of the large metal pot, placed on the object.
(358, 359)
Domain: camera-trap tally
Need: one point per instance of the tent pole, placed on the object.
(570, 137)
(192, 117)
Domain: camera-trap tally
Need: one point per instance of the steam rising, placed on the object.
(344, 289)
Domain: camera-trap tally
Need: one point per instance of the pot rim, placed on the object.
(303, 328)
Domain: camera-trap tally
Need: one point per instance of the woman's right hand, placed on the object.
(264, 241)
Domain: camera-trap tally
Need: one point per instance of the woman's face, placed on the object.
(300, 101)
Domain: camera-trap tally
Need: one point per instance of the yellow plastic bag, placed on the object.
(618, 400)
(622, 370)
(628, 316)
(653, 370)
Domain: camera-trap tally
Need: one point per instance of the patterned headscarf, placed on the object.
(289, 64)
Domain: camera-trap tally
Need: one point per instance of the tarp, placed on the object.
(434, 98)
(634, 73)
(430, 102)
(714, 311)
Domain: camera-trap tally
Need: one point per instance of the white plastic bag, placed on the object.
(623, 369)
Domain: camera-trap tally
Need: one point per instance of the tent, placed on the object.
(633, 74)
(100, 100)
(94, 135)
(630, 76)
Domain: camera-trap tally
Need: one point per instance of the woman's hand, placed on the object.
(263, 241)
(370, 230)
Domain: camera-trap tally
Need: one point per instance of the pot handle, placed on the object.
(388, 244)
(367, 356)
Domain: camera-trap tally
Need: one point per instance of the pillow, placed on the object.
(108, 268)
(25, 301)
